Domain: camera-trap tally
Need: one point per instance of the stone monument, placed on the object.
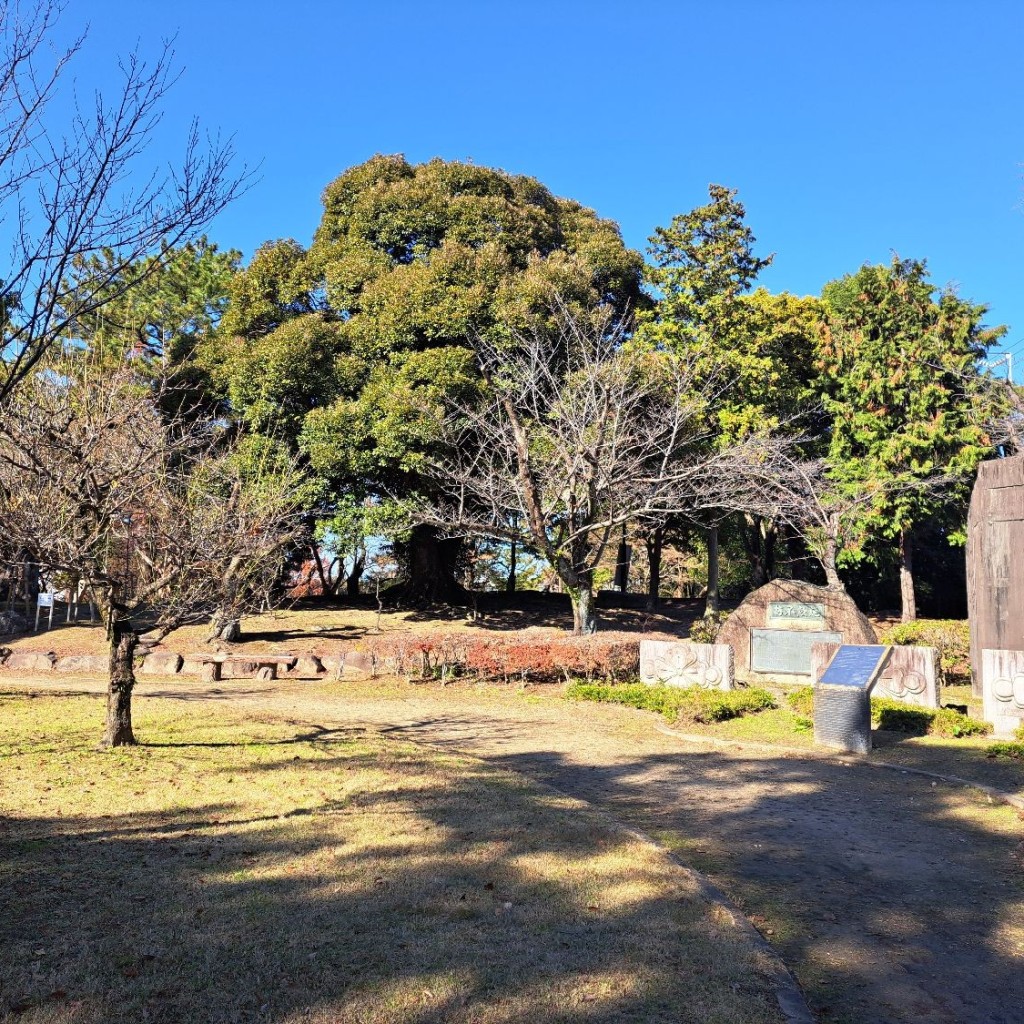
(1002, 677)
(995, 540)
(773, 630)
(685, 664)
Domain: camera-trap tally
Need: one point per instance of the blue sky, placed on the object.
(850, 130)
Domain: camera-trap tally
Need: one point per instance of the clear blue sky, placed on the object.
(850, 130)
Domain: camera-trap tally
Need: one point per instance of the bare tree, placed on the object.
(165, 522)
(69, 190)
(579, 432)
(803, 494)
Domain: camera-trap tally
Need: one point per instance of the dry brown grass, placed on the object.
(240, 870)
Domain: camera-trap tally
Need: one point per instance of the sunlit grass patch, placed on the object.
(232, 869)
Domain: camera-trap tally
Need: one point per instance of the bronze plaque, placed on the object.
(786, 651)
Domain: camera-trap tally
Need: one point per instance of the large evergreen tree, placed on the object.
(352, 346)
(901, 361)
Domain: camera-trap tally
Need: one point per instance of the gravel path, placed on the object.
(891, 897)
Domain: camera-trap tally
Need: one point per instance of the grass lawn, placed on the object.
(239, 870)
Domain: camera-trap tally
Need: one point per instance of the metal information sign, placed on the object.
(842, 697)
(786, 651)
(855, 665)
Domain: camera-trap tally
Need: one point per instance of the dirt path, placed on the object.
(892, 898)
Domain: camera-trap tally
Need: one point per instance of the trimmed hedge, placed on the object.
(519, 658)
(686, 704)
(1014, 750)
(898, 717)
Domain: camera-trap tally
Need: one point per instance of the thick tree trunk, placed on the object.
(908, 597)
(123, 641)
(352, 580)
(759, 537)
(828, 563)
(510, 583)
(584, 611)
(430, 565)
(712, 603)
(654, 543)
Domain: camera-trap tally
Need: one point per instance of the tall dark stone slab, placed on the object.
(995, 560)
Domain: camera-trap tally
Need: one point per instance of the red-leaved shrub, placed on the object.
(522, 657)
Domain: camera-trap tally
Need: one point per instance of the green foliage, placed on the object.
(689, 704)
(1011, 750)
(353, 349)
(802, 700)
(950, 637)
(705, 629)
(801, 723)
(762, 346)
(903, 391)
(160, 308)
(895, 716)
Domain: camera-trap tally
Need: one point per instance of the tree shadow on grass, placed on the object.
(888, 902)
(469, 896)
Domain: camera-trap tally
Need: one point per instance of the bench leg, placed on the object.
(210, 672)
(266, 672)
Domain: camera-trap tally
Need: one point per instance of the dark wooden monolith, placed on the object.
(995, 561)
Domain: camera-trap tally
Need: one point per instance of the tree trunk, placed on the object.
(653, 543)
(907, 595)
(584, 611)
(510, 583)
(759, 540)
(430, 563)
(712, 603)
(123, 641)
(352, 580)
(828, 563)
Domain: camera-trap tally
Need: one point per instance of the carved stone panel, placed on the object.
(685, 664)
(1002, 679)
(911, 676)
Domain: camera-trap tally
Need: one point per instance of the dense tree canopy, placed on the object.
(350, 347)
(901, 367)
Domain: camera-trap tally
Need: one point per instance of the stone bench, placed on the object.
(264, 666)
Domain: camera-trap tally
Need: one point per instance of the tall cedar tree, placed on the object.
(704, 262)
(901, 365)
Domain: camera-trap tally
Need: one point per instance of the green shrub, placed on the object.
(1014, 750)
(705, 630)
(689, 704)
(802, 701)
(803, 724)
(899, 717)
(895, 716)
(950, 637)
(1019, 733)
(948, 722)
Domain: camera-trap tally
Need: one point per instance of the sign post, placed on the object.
(842, 697)
(44, 600)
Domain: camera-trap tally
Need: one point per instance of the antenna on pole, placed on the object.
(1008, 359)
